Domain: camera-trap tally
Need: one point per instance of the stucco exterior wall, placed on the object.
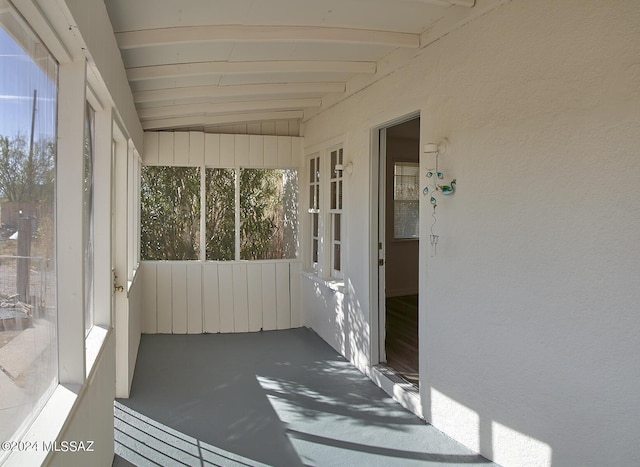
(529, 312)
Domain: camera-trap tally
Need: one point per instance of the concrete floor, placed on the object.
(282, 398)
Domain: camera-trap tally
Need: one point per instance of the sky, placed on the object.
(19, 76)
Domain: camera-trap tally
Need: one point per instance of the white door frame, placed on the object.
(376, 234)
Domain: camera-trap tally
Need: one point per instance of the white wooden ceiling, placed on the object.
(193, 63)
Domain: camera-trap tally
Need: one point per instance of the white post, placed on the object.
(69, 222)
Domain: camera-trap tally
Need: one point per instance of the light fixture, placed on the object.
(348, 167)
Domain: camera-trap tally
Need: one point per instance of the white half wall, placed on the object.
(529, 323)
(193, 297)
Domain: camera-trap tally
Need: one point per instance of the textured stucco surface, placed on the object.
(529, 312)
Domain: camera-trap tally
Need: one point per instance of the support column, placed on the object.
(69, 222)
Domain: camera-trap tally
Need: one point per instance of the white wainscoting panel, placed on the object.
(193, 297)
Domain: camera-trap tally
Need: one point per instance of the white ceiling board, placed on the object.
(183, 81)
(389, 15)
(264, 78)
(149, 56)
(198, 93)
(302, 51)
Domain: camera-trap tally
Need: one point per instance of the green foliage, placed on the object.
(268, 213)
(25, 176)
(170, 213)
(220, 214)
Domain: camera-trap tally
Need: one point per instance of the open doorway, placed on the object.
(399, 242)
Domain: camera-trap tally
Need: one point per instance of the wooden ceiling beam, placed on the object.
(182, 122)
(242, 90)
(252, 33)
(207, 109)
(267, 66)
(446, 3)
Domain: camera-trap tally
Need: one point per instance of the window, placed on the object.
(248, 214)
(28, 344)
(405, 200)
(170, 213)
(268, 213)
(88, 219)
(326, 220)
(314, 208)
(220, 214)
(335, 212)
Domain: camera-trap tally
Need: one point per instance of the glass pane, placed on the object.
(315, 251)
(28, 86)
(336, 257)
(340, 194)
(89, 150)
(406, 211)
(220, 214)
(268, 213)
(405, 180)
(312, 199)
(336, 227)
(170, 213)
(334, 161)
(334, 195)
(312, 170)
(314, 218)
(406, 219)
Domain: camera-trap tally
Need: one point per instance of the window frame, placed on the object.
(327, 213)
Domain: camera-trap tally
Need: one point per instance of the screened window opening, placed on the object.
(220, 214)
(170, 213)
(28, 314)
(406, 200)
(268, 214)
(248, 214)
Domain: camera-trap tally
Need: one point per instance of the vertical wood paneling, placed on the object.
(164, 289)
(165, 148)
(181, 145)
(254, 289)
(227, 150)
(294, 128)
(149, 298)
(151, 144)
(270, 151)
(239, 129)
(241, 150)
(254, 128)
(240, 304)
(210, 292)
(269, 128)
(297, 152)
(284, 152)
(212, 150)
(179, 297)
(296, 296)
(269, 310)
(282, 127)
(283, 299)
(196, 148)
(225, 286)
(256, 151)
(194, 298)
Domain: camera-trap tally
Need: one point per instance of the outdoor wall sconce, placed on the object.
(433, 187)
(348, 167)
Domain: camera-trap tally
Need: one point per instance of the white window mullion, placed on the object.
(237, 214)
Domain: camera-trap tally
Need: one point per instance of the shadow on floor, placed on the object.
(280, 398)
